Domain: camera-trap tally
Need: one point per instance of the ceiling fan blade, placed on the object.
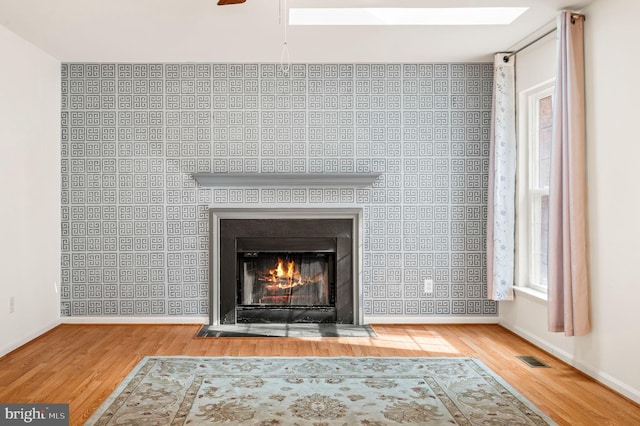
(225, 2)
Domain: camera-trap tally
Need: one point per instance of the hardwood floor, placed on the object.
(82, 364)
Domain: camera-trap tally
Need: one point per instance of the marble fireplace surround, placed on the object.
(217, 214)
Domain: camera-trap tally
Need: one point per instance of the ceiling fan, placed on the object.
(226, 2)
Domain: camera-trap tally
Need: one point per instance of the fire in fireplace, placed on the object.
(285, 271)
(286, 279)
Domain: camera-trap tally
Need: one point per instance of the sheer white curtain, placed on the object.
(502, 181)
(568, 272)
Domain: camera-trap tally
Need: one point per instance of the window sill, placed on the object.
(532, 294)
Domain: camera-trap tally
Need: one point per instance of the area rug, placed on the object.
(286, 330)
(315, 391)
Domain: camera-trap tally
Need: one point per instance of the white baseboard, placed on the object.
(373, 319)
(596, 374)
(12, 347)
(134, 320)
(379, 319)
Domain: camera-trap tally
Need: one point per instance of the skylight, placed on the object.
(405, 16)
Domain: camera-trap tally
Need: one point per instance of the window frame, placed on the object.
(528, 196)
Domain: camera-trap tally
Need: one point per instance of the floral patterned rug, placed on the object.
(315, 391)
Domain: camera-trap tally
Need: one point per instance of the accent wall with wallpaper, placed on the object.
(134, 222)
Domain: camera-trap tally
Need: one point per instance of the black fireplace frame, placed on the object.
(234, 230)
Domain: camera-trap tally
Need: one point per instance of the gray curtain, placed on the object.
(568, 273)
(502, 183)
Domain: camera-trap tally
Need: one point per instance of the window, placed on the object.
(405, 16)
(534, 147)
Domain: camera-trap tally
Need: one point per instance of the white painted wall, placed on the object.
(610, 352)
(29, 190)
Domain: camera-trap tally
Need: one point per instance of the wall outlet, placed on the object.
(428, 286)
(12, 304)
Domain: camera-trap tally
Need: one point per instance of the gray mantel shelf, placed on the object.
(284, 179)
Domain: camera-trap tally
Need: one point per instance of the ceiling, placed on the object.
(201, 31)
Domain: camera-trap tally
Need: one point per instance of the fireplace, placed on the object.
(286, 271)
(286, 280)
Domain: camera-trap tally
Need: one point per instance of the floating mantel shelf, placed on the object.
(284, 179)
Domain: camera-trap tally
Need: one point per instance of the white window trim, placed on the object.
(527, 133)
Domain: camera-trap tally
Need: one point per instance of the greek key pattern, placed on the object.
(134, 223)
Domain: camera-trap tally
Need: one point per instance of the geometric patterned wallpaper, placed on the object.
(134, 223)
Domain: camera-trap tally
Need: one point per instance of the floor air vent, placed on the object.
(533, 362)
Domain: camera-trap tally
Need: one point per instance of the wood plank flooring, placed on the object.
(82, 364)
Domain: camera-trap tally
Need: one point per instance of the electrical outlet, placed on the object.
(428, 286)
(12, 304)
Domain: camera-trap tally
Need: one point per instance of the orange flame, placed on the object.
(279, 272)
(291, 275)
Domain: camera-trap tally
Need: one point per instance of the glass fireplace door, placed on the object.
(285, 279)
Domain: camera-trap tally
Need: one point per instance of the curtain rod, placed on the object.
(510, 54)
